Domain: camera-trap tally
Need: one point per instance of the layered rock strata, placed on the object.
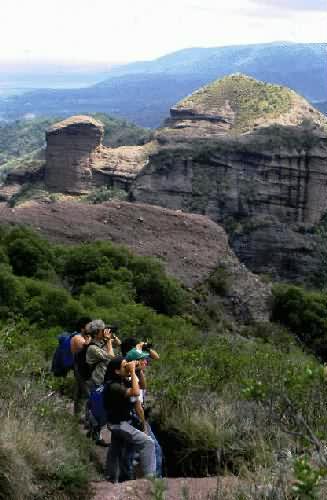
(271, 164)
(77, 162)
(71, 147)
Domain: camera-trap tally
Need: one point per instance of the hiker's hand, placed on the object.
(116, 340)
(131, 366)
(107, 335)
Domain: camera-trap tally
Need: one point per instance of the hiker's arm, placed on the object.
(96, 354)
(109, 348)
(135, 389)
(117, 341)
(140, 413)
(142, 380)
(154, 354)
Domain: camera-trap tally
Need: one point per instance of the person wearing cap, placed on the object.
(101, 350)
(141, 358)
(132, 342)
(121, 385)
(98, 355)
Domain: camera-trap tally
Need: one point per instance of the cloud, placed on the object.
(298, 5)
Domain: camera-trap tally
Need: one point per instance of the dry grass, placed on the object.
(38, 458)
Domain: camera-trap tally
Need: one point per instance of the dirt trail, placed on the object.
(206, 488)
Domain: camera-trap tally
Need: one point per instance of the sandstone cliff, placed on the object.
(77, 162)
(237, 150)
(249, 155)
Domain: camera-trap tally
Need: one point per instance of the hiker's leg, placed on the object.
(112, 468)
(126, 462)
(158, 452)
(78, 391)
(144, 444)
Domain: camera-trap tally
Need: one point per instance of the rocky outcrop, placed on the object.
(77, 162)
(71, 147)
(237, 151)
(216, 159)
(240, 178)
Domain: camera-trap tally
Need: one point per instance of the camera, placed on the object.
(113, 328)
(147, 346)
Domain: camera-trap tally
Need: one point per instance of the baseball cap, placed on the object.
(135, 355)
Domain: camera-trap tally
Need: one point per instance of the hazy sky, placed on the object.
(125, 30)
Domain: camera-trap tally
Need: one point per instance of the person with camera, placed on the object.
(133, 343)
(100, 351)
(121, 387)
(138, 413)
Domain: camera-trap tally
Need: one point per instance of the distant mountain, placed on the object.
(143, 92)
(300, 66)
(322, 106)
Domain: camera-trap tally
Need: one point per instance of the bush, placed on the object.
(305, 313)
(155, 289)
(12, 293)
(49, 306)
(27, 252)
(219, 281)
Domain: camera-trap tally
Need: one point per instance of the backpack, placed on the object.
(96, 405)
(84, 369)
(63, 359)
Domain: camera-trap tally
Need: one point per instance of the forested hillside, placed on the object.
(228, 398)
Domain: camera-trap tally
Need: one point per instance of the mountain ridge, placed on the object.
(144, 92)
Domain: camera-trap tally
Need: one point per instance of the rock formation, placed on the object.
(239, 150)
(71, 147)
(76, 160)
(249, 155)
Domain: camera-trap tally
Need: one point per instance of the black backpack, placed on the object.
(83, 368)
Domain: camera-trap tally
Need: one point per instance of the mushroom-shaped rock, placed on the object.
(71, 147)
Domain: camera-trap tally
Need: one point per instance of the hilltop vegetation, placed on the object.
(253, 102)
(220, 388)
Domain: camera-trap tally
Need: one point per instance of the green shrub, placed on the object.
(155, 289)
(12, 293)
(49, 306)
(219, 281)
(305, 313)
(27, 252)
(106, 193)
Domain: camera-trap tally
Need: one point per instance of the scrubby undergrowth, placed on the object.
(227, 398)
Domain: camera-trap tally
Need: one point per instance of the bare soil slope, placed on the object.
(190, 246)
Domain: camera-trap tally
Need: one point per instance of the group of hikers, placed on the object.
(110, 390)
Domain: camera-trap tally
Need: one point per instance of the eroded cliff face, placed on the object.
(77, 162)
(265, 180)
(71, 148)
(240, 178)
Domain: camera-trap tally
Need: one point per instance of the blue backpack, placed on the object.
(96, 405)
(63, 359)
